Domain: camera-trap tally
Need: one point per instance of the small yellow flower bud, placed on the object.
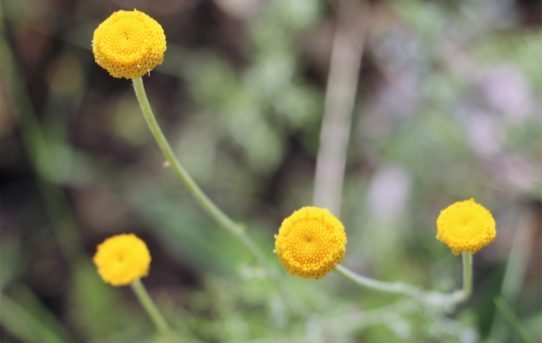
(311, 242)
(466, 226)
(122, 259)
(129, 44)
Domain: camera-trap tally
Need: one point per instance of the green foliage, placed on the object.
(245, 118)
(98, 309)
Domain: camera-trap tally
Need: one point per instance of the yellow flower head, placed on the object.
(311, 242)
(122, 259)
(129, 44)
(466, 226)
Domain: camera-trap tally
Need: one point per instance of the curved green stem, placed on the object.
(148, 304)
(381, 286)
(205, 203)
(423, 296)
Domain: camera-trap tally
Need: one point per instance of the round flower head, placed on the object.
(311, 242)
(129, 44)
(466, 226)
(122, 259)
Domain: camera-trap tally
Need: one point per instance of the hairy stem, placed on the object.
(203, 200)
(381, 286)
(423, 296)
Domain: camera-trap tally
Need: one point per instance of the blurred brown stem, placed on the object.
(345, 63)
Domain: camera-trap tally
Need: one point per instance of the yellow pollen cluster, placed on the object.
(466, 226)
(311, 242)
(129, 44)
(122, 259)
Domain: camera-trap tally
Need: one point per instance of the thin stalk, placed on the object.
(377, 285)
(467, 277)
(203, 200)
(424, 296)
(148, 304)
(206, 204)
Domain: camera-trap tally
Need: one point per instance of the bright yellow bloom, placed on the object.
(311, 242)
(122, 259)
(129, 44)
(466, 226)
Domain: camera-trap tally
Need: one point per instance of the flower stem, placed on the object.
(148, 304)
(205, 203)
(467, 276)
(382, 286)
(418, 294)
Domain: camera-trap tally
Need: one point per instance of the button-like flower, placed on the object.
(466, 226)
(311, 242)
(129, 44)
(122, 259)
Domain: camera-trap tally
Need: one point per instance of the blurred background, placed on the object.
(384, 111)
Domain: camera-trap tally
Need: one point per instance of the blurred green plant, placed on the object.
(427, 142)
